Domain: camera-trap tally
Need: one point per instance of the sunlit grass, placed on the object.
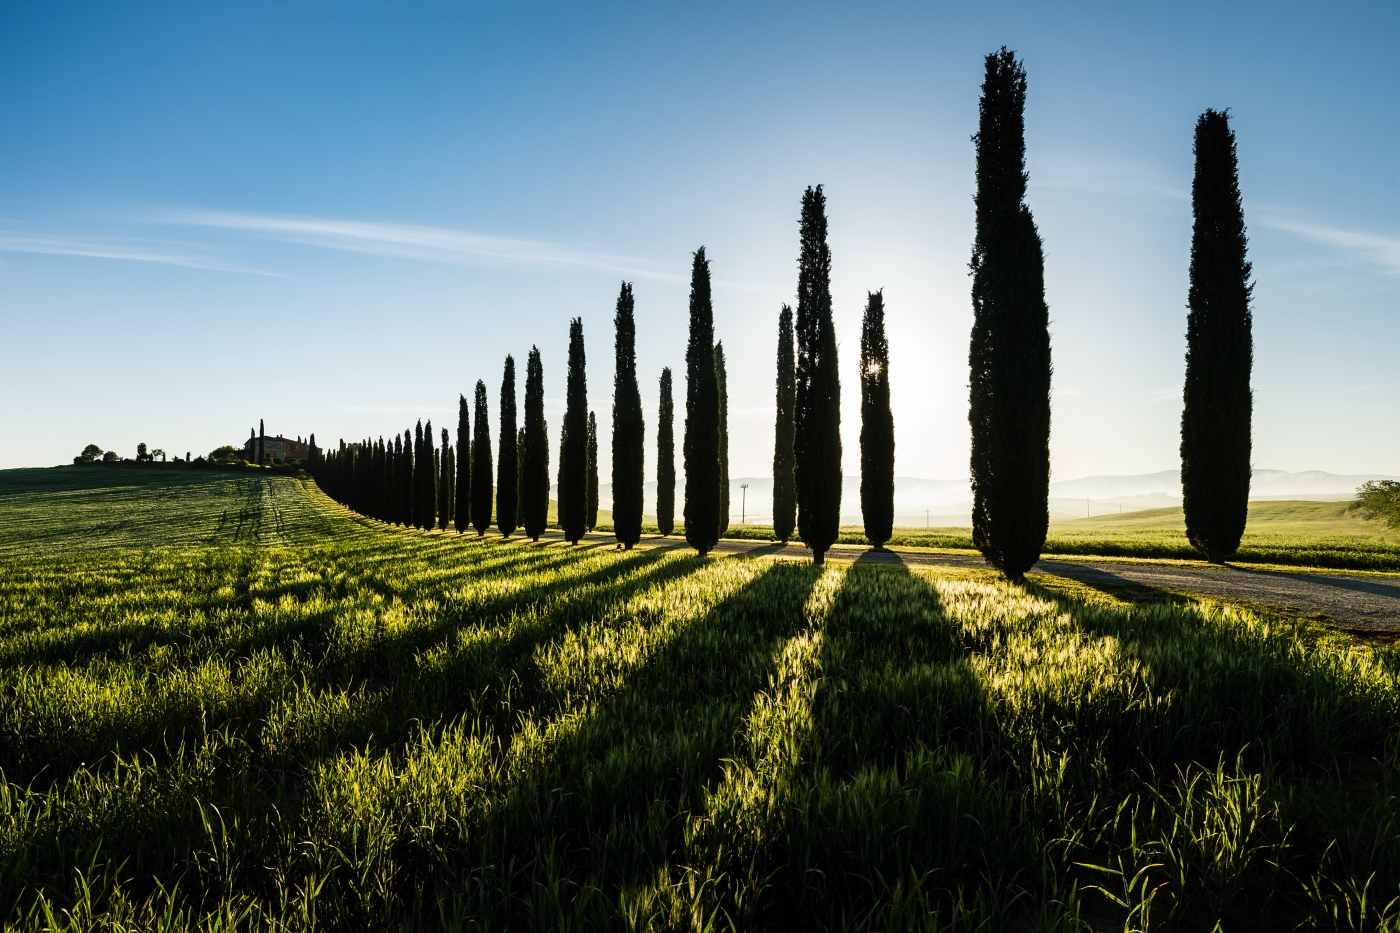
(369, 728)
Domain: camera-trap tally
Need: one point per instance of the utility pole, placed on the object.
(925, 518)
(743, 502)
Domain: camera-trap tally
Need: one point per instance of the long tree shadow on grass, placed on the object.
(894, 780)
(498, 678)
(607, 807)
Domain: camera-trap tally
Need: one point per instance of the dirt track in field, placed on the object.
(1363, 604)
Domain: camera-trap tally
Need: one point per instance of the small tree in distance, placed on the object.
(462, 512)
(481, 462)
(534, 467)
(508, 463)
(666, 457)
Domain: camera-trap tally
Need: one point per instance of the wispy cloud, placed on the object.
(1126, 179)
(134, 250)
(410, 241)
(1375, 248)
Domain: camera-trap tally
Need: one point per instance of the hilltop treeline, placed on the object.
(412, 480)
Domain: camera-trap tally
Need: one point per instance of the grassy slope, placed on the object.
(378, 727)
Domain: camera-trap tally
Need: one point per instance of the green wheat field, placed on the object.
(227, 703)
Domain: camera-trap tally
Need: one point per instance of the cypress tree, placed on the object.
(508, 463)
(1215, 418)
(519, 469)
(481, 463)
(590, 510)
(407, 508)
(1009, 357)
(262, 435)
(416, 515)
(784, 480)
(722, 389)
(444, 496)
(573, 444)
(817, 416)
(430, 478)
(461, 513)
(701, 443)
(876, 425)
(666, 457)
(534, 467)
(628, 468)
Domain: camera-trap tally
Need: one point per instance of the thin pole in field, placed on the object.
(743, 503)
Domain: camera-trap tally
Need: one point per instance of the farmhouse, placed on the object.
(278, 448)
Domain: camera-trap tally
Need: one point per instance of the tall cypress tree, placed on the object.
(444, 496)
(573, 445)
(1218, 404)
(784, 480)
(876, 425)
(417, 518)
(628, 468)
(590, 509)
(722, 390)
(519, 470)
(1009, 357)
(481, 463)
(430, 475)
(508, 463)
(701, 444)
(262, 435)
(461, 513)
(666, 457)
(817, 419)
(534, 467)
(407, 489)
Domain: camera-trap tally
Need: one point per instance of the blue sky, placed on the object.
(339, 216)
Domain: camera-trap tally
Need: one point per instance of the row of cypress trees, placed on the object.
(409, 482)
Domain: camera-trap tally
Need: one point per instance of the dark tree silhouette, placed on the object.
(481, 462)
(444, 492)
(876, 425)
(722, 391)
(818, 410)
(262, 436)
(1009, 357)
(573, 444)
(508, 463)
(666, 457)
(534, 468)
(784, 479)
(590, 508)
(417, 519)
(462, 509)
(429, 478)
(1218, 404)
(628, 467)
(701, 444)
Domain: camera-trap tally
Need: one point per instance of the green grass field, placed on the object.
(233, 706)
